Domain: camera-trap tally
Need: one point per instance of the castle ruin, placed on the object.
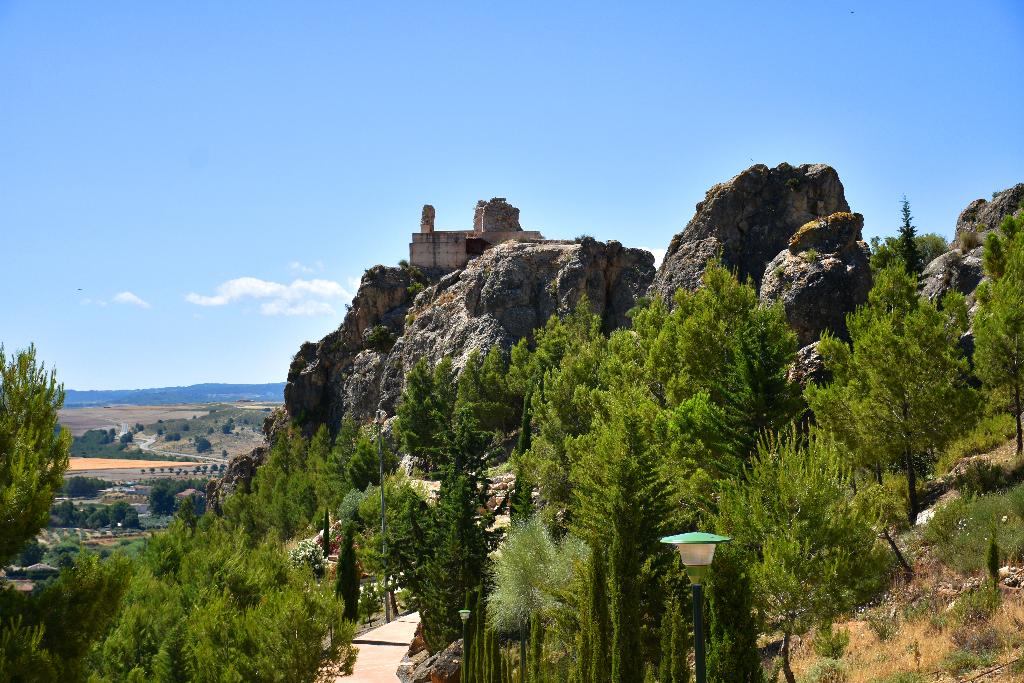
(494, 222)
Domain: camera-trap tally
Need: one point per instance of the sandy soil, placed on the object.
(78, 465)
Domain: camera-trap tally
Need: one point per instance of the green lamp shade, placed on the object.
(464, 613)
(696, 549)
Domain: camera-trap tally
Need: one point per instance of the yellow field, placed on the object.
(92, 464)
(80, 420)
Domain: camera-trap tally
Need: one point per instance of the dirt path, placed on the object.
(381, 651)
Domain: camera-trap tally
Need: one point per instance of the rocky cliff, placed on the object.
(749, 220)
(982, 214)
(497, 299)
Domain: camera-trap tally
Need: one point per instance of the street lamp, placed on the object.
(464, 615)
(697, 550)
(381, 417)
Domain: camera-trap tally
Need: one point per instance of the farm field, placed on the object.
(81, 420)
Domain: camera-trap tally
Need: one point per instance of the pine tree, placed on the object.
(900, 390)
(347, 579)
(907, 243)
(327, 533)
(999, 331)
(732, 630)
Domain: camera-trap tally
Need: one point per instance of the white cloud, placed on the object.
(300, 297)
(131, 299)
(297, 267)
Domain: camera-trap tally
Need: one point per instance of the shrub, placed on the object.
(414, 289)
(829, 643)
(961, 529)
(826, 671)
(380, 338)
(883, 625)
(308, 553)
(981, 641)
(901, 677)
(980, 477)
(968, 240)
(959, 662)
(977, 605)
(989, 433)
(810, 256)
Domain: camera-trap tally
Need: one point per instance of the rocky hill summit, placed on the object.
(748, 220)
(399, 316)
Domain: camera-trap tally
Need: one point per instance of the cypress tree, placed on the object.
(466, 672)
(495, 659)
(347, 581)
(732, 631)
(327, 533)
(480, 637)
(992, 559)
(906, 244)
(665, 664)
(525, 428)
(536, 650)
(600, 621)
(680, 646)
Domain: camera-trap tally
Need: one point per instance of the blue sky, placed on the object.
(216, 176)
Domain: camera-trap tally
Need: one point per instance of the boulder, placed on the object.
(953, 271)
(821, 276)
(748, 220)
(442, 667)
(982, 215)
(239, 473)
(808, 366)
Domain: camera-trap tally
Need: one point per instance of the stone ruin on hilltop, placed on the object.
(494, 222)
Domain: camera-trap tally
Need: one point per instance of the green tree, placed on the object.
(536, 652)
(732, 630)
(425, 410)
(815, 553)
(675, 646)
(907, 247)
(900, 392)
(326, 534)
(33, 449)
(999, 334)
(347, 583)
(623, 501)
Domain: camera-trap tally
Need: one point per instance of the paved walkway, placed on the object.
(381, 651)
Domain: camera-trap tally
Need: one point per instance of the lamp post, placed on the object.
(383, 524)
(464, 615)
(697, 550)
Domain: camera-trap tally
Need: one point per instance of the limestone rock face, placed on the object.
(496, 300)
(953, 271)
(749, 219)
(512, 289)
(334, 376)
(982, 215)
(822, 275)
(809, 366)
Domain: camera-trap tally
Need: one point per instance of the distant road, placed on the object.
(145, 444)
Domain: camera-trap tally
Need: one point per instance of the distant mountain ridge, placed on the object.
(195, 393)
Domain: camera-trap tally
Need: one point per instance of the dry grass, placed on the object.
(925, 639)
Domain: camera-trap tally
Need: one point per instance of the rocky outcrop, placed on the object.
(823, 275)
(953, 271)
(749, 220)
(982, 214)
(808, 367)
(499, 298)
(238, 475)
(336, 376)
(443, 667)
